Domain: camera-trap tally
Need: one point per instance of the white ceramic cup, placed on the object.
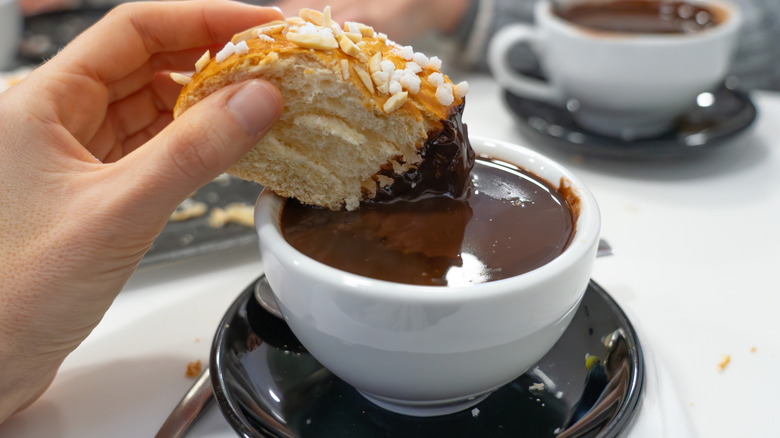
(623, 85)
(431, 350)
(10, 32)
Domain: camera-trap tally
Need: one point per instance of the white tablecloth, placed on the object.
(697, 254)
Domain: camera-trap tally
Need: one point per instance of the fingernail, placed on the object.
(255, 106)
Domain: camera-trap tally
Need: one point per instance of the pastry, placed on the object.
(359, 109)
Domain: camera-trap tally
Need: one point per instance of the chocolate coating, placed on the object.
(447, 160)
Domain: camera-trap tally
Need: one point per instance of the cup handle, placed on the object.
(516, 82)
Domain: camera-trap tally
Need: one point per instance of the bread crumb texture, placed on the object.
(355, 103)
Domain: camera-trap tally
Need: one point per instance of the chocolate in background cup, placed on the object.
(431, 350)
(622, 85)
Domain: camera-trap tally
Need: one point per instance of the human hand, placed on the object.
(92, 166)
(402, 20)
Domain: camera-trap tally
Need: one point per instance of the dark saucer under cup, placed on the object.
(588, 385)
(716, 118)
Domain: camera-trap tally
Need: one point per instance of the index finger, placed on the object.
(131, 33)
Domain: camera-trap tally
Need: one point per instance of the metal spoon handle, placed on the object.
(189, 409)
(605, 249)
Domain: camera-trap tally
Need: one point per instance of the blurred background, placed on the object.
(458, 31)
(49, 24)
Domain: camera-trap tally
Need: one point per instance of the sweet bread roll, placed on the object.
(358, 109)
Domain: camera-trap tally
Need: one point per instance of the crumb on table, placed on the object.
(189, 209)
(724, 362)
(239, 213)
(194, 369)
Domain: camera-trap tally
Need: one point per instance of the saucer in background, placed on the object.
(718, 117)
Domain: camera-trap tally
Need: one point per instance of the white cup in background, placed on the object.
(628, 85)
(10, 32)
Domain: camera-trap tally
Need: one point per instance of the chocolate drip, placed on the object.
(447, 160)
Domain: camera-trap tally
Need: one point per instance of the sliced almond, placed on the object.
(345, 69)
(272, 29)
(366, 31)
(354, 37)
(201, 63)
(312, 16)
(244, 36)
(296, 21)
(252, 33)
(375, 63)
(364, 77)
(273, 23)
(180, 79)
(395, 101)
(337, 32)
(269, 28)
(326, 21)
(312, 41)
(348, 47)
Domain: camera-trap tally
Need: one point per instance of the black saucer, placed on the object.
(699, 130)
(267, 385)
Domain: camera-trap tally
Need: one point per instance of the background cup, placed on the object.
(430, 350)
(618, 84)
(10, 32)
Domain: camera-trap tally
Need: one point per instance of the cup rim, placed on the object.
(588, 225)
(543, 13)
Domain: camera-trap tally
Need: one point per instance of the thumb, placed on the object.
(203, 142)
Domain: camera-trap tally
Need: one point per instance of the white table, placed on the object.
(697, 256)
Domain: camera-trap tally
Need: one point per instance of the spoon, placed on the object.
(189, 408)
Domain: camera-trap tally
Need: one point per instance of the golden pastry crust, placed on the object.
(355, 103)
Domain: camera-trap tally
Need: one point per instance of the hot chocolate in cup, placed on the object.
(625, 68)
(430, 348)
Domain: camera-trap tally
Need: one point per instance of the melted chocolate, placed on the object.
(506, 222)
(642, 16)
(447, 159)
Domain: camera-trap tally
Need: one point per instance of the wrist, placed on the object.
(25, 370)
(20, 386)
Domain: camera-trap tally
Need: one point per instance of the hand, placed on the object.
(401, 20)
(92, 167)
